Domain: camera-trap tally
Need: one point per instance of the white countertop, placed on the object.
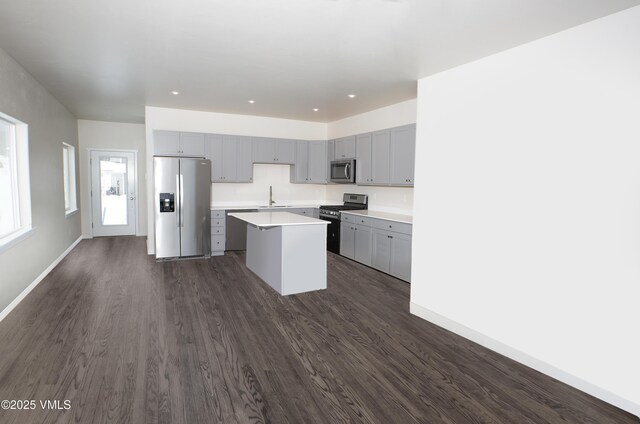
(407, 219)
(263, 206)
(276, 219)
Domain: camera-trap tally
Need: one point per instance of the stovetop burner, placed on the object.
(351, 202)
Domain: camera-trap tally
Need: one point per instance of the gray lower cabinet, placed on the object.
(402, 155)
(382, 244)
(218, 232)
(175, 143)
(355, 239)
(392, 253)
(400, 265)
(274, 150)
(363, 244)
(300, 211)
(347, 240)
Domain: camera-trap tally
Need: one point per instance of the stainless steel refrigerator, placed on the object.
(182, 198)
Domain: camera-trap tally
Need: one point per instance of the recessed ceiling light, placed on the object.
(252, 101)
(351, 96)
(315, 109)
(175, 93)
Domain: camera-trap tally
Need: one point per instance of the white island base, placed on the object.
(287, 251)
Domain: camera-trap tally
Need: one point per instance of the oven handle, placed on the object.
(347, 171)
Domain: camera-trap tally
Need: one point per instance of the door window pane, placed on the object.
(9, 213)
(113, 190)
(69, 175)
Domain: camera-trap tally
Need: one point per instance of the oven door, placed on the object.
(333, 233)
(343, 171)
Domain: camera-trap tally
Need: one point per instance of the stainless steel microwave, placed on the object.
(343, 171)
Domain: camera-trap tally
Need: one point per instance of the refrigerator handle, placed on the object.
(178, 205)
(181, 188)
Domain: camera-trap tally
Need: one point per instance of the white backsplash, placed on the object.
(384, 199)
(257, 193)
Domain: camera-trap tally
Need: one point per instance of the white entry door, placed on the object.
(113, 205)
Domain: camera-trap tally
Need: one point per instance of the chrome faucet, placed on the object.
(271, 201)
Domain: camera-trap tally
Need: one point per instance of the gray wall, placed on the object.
(50, 124)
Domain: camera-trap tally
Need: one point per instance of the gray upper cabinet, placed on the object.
(300, 172)
(174, 143)
(213, 152)
(311, 162)
(245, 160)
(222, 151)
(380, 157)
(386, 157)
(273, 150)
(285, 151)
(363, 159)
(318, 162)
(345, 148)
(166, 143)
(372, 161)
(264, 150)
(402, 155)
(192, 144)
(231, 158)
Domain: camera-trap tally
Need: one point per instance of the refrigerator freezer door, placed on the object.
(165, 171)
(195, 183)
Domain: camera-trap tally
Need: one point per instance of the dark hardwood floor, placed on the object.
(129, 340)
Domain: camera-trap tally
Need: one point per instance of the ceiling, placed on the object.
(106, 60)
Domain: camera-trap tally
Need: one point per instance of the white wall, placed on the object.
(50, 124)
(224, 123)
(257, 193)
(111, 136)
(387, 199)
(527, 205)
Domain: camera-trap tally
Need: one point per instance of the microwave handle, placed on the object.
(347, 172)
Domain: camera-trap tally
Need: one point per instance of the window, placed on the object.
(15, 207)
(69, 173)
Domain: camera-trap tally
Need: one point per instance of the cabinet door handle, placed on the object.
(390, 236)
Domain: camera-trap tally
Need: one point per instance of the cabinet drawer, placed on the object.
(217, 214)
(398, 227)
(217, 243)
(363, 220)
(348, 218)
(217, 222)
(217, 231)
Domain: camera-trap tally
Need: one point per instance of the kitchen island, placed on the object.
(286, 250)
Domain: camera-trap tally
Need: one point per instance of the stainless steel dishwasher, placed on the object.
(236, 237)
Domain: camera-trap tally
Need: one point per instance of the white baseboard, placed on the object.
(37, 281)
(524, 358)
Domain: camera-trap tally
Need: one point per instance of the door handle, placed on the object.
(347, 172)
